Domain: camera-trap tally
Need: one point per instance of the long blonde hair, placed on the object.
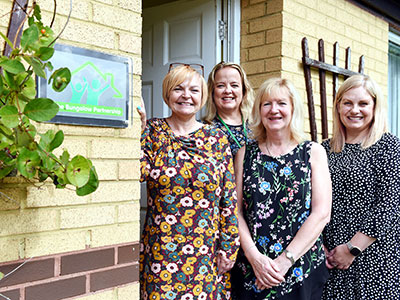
(378, 124)
(266, 90)
(178, 75)
(248, 93)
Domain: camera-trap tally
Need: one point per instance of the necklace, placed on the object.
(283, 152)
(230, 132)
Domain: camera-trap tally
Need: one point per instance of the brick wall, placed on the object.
(271, 34)
(73, 274)
(56, 226)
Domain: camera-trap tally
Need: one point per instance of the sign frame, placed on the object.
(101, 118)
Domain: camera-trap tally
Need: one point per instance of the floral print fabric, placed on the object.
(191, 214)
(237, 131)
(276, 202)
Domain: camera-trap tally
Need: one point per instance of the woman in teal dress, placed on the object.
(284, 201)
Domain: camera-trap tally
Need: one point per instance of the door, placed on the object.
(181, 31)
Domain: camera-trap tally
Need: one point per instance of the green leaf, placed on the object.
(24, 139)
(4, 171)
(64, 157)
(28, 89)
(30, 37)
(45, 139)
(91, 185)
(78, 171)
(61, 79)
(38, 67)
(49, 66)
(27, 161)
(41, 109)
(47, 161)
(45, 53)
(9, 79)
(57, 140)
(37, 12)
(13, 66)
(1, 85)
(7, 40)
(9, 116)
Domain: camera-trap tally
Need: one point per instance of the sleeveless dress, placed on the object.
(276, 202)
(191, 212)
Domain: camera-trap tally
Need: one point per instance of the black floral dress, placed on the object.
(276, 202)
(366, 198)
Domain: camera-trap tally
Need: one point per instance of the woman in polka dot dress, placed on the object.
(362, 237)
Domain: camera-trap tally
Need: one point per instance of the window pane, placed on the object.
(394, 92)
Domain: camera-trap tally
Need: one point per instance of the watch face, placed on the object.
(355, 251)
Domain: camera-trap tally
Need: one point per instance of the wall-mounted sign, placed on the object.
(98, 94)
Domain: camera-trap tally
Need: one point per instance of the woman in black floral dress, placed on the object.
(284, 200)
(364, 161)
(229, 103)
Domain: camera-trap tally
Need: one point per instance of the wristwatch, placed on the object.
(353, 249)
(289, 255)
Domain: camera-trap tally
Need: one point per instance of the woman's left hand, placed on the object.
(224, 264)
(340, 257)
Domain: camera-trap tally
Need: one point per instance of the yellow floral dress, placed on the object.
(191, 213)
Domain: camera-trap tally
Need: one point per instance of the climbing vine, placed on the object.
(22, 147)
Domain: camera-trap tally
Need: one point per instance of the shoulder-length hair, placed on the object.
(248, 93)
(378, 124)
(272, 86)
(178, 75)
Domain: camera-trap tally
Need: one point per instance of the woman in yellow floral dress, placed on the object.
(190, 234)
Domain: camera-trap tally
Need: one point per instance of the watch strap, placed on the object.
(290, 256)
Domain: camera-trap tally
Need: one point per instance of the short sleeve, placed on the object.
(384, 214)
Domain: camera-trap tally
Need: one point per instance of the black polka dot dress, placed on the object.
(366, 198)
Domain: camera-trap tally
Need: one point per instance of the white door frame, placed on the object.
(228, 49)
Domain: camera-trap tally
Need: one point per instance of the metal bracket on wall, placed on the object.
(222, 29)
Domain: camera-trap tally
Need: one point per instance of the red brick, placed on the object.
(13, 295)
(86, 261)
(31, 271)
(113, 278)
(56, 290)
(128, 254)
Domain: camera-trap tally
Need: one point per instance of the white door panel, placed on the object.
(182, 31)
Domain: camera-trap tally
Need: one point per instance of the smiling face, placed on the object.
(276, 111)
(228, 90)
(185, 98)
(356, 111)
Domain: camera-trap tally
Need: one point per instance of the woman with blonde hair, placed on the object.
(229, 103)
(364, 160)
(284, 201)
(190, 235)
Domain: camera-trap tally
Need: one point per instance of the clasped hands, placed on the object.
(269, 272)
(224, 264)
(339, 257)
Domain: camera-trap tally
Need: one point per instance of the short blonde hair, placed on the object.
(248, 93)
(178, 75)
(378, 124)
(269, 87)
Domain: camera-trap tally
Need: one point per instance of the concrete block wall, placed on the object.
(271, 34)
(50, 225)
